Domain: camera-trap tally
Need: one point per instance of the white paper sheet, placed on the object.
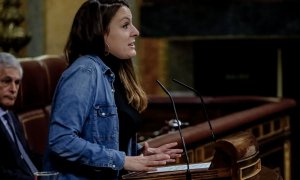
(182, 167)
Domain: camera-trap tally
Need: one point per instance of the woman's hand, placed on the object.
(145, 163)
(152, 157)
(164, 149)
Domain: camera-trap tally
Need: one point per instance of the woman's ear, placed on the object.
(105, 36)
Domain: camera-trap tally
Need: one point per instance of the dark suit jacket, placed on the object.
(12, 166)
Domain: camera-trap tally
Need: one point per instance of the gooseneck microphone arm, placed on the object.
(188, 173)
(203, 106)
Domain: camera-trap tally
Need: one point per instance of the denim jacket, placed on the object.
(84, 129)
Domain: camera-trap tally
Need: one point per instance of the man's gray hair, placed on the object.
(8, 60)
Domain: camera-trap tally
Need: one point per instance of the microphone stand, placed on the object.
(203, 106)
(188, 173)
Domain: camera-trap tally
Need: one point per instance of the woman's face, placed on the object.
(121, 36)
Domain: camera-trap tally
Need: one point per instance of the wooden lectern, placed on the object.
(235, 157)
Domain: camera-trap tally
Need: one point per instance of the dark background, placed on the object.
(219, 17)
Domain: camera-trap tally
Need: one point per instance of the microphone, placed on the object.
(202, 103)
(188, 173)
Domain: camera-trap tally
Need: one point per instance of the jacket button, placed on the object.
(103, 114)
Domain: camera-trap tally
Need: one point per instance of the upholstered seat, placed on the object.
(33, 104)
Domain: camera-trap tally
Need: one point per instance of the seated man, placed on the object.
(15, 161)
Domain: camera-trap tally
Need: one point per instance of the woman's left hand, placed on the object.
(164, 149)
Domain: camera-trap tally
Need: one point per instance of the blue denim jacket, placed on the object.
(84, 127)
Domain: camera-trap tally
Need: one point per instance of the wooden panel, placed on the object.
(268, 120)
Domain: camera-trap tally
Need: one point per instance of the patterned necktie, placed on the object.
(24, 155)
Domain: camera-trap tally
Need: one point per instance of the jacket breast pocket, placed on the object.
(106, 125)
(106, 112)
